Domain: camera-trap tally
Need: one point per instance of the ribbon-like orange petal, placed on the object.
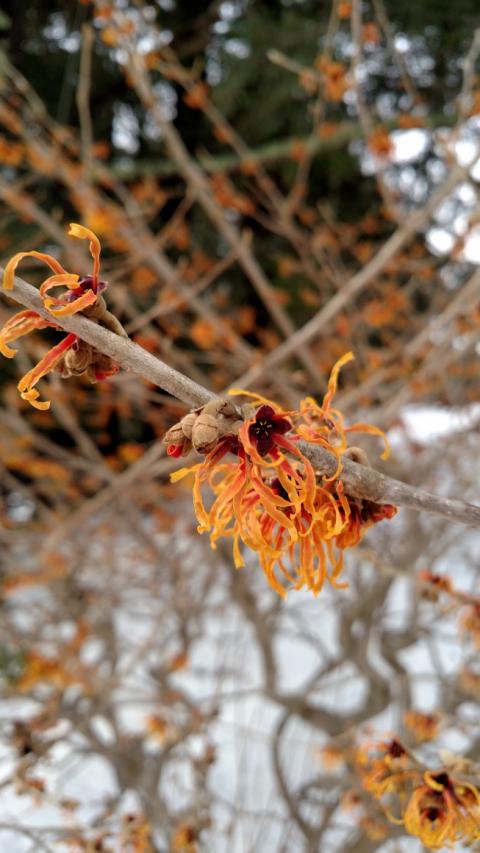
(17, 326)
(333, 381)
(67, 309)
(65, 279)
(44, 366)
(9, 273)
(83, 233)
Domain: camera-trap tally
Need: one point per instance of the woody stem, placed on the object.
(359, 480)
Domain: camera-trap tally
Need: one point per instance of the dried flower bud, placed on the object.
(205, 433)
(101, 367)
(226, 409)
(178, 444)
(97, 310)
(204, 427)
(175, 435)
(109, 321)
(187, 424)
(77, 359)
(356, 454)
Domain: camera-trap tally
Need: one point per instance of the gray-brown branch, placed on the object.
(359, 480)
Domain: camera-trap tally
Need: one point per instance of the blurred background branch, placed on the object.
(273, 184)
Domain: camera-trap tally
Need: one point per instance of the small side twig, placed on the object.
(83, 99)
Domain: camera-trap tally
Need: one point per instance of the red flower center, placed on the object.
(395, 749)
(443, 779)
(86, 283)
(432, 814)
(267, 425)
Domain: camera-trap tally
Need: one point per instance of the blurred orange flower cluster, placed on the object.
(423, 727)
(270, 497)
(436, 806)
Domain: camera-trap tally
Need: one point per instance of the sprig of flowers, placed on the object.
(269, 497)
(439, 806)
(71, 356)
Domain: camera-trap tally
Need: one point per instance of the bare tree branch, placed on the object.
(359, 480)
(416, 222)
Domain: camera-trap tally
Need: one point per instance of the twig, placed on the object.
(468, 68)
(364, 482)
(358, 282)
(83, 99)
(358, 479)
(363, 111)
(124, 352)
(467, 296)
(268, 153)
(198, 183)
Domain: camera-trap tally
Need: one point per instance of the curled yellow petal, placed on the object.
(17, 326)
(83, 233)
(9, 273)
(7, 351)
(372, 430)
(65, 310)
(259, 400)
(48, 363)
(333, 381)
(31, 396)
(431, 782)
(65, 279)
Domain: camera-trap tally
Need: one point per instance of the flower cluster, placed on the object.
(422, 727)
(269, 497)
(439, 807)
(71, 356)
(434, 585)
(470, 622)
(443, 810)
(385, 771)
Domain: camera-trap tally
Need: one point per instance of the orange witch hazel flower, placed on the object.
(270, 498)
(470, 622)
(83, 294)
(436, 807)
(443, 811)
(386, 771)
(423, 727)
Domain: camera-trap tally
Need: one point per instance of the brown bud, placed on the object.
(77, 359)
(229, 418)
(205, 433)
(97, 310)
(101, 364)
(175, 435)
(357, 454)
(187, 423)
(221, 408)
